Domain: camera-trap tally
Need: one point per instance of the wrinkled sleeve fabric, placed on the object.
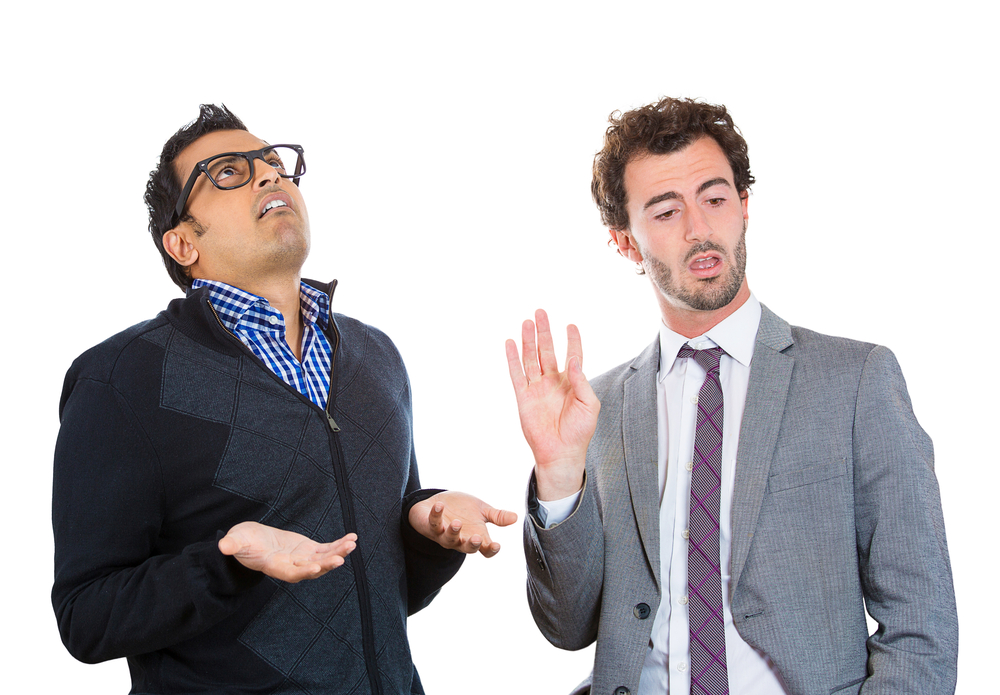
(903, 553)
(113, 594)
(565, 571)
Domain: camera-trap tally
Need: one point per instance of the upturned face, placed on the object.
(250, 233)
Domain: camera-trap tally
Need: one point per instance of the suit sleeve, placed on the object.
(905, 570)
(114, 595)
(566, 571)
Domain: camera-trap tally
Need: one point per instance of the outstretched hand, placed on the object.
(284, 555)
(458, 521)
(558, 409)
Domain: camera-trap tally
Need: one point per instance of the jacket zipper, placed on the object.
(347, 506)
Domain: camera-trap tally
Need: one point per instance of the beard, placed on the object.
(708, 294)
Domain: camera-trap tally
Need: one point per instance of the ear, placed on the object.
(178, 243)
(743, 200)
(626, 248)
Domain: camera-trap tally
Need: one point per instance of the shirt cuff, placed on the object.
(555, 512)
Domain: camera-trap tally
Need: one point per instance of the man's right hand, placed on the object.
(284, 555)
(558, 409)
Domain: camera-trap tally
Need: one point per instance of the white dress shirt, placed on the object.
(667, 665)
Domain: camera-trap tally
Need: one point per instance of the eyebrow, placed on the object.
(674, 195)
(226, 159)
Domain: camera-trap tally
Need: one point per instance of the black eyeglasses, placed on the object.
(231, 170)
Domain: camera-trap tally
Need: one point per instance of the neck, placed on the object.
(691, 323)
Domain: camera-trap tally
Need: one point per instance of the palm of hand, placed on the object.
(284, 555)
(556, 423)
(458, 521)
(558, 410)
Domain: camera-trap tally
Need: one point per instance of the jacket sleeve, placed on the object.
(566, 571)
(428, 565)
(905, 570)
(114, 595)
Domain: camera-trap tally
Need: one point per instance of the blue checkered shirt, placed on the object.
(262, 329)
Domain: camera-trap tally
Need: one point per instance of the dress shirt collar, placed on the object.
(736, 334)
(234, 305)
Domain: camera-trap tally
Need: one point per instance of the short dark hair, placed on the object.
(665, 127)
(164, 185)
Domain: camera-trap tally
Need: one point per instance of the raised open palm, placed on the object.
(558, 410)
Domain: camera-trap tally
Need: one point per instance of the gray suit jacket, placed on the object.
(835, 506)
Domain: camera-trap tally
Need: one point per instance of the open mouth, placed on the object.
(272, 205)
(706, 265)
(276, 201)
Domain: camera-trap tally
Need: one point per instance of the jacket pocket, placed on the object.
(807, 476)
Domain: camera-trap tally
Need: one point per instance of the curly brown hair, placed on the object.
(665, 127)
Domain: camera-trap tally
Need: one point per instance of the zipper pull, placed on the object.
(333, 424)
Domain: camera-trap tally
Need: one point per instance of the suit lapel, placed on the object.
(639, 425)
(770, 376)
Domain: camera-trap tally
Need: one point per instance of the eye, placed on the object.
(667, 214)
(716, 202)
(225, 173)
(276, 163)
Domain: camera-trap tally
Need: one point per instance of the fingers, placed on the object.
(323, 557)
(529, 354)
(581, 387)
(453, 534)
(344, 546)
(538, 356)
(574, 346)
(517, 377)
(546, 351)
(489, 550)
(436, 518)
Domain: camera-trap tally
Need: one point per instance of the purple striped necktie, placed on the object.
(708, 636)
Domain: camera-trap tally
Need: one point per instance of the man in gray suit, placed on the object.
(718, 512)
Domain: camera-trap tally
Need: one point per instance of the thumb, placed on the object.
(229, 545)
(500, 517)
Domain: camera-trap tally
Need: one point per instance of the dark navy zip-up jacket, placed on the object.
(173, 432)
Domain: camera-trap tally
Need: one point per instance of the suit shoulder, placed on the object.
(808, 343)
(611, 379)
(614, 378)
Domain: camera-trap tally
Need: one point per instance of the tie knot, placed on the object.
(708, 359)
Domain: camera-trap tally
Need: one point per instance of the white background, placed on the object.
(449, 149)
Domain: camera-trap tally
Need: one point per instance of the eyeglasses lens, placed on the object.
(230, 171)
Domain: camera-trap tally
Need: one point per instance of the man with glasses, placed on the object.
(236, 504)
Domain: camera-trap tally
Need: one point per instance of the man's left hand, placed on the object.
(458, 521)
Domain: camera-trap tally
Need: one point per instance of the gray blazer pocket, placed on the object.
(807, 476)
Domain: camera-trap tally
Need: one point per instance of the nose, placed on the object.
(698, 229)
(264, 173)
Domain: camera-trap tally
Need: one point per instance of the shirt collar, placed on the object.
(232, 303)
(736, 334)
(315, 305)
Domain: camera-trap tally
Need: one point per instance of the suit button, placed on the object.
(622, 690)
(641, 611)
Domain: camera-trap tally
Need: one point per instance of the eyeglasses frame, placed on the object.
(202, 168)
